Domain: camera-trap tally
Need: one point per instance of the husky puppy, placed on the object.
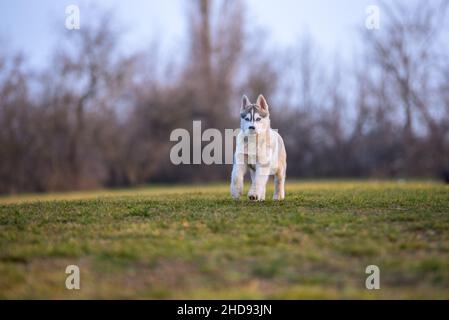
(260, 150)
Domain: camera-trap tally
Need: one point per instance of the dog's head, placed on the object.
(254, 118)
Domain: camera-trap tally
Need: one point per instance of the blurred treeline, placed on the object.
(99, 117)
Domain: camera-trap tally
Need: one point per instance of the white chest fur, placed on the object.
(259, 150)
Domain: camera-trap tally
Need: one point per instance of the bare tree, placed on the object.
(406, 52)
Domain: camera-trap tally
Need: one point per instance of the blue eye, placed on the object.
(258, 119)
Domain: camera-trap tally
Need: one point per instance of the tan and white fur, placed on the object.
(267, 158)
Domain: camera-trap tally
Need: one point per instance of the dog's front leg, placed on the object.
(261, 179)
(238, 172)
(252, 189)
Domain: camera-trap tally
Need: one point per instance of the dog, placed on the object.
(260, 150)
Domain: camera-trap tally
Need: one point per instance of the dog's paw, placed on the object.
(278, 198)
(253, 197)
(235, 195)
(235, 192)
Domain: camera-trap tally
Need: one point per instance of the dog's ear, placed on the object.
(262, 103)
(245, 102)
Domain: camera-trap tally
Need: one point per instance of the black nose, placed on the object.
(252, 128)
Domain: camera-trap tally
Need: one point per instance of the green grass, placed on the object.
(195, 242)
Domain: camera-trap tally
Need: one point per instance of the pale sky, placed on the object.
(32, 26)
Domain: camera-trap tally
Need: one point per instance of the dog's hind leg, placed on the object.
(279, 185)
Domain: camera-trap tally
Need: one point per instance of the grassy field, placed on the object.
(195, 242)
